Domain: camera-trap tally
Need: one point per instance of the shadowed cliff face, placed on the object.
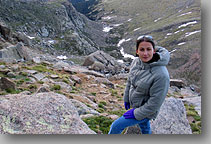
(54, 26)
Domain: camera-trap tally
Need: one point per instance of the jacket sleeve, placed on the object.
(127, 89)
(158, 93)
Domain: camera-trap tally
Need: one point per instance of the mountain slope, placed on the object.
(175, 25)
(54, 25)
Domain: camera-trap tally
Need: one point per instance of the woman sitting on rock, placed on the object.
(146, 88)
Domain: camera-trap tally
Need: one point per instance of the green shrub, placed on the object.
(32, 86)
(2, 74)
(196, 124)
(99, 123)
(74, 89)
(19, 82)
(113, 92)
(23, 74)
(100, 110)
(12, 91)
(40, 82)
(103, 103)
(93, 93)
(195, 128)
(121, 86)
(191, 113)
(2, 63)
(65, 80)
(100, 105)
(41, 68)
(56, 87)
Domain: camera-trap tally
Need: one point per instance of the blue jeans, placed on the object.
(121, 123)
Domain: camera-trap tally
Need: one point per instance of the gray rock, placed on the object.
(187, 92)
(61, 65)
(6, 83)
(119, 76)
(5, 31)
(36, 60)
(83, 109)
(20, 37)
(97, 66)
(76, 79)
(42, 113)
(177, 82)
(15, 67)
(84, 99)
(171, 119)
(64, 86)
(39, 76)
(30, 71)
(11, 74)
(15, 53)
(44, 88)
(32, 80)
(80, 69)
(2, 66)
(5, 71)
(104, 81)
(53, 76)
(46, 80)
(44, 32)
(103, 62)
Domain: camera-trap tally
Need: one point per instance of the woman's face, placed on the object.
(145, 51)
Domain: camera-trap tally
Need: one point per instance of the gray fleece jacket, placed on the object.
(148, 85)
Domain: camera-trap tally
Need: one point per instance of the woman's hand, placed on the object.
(127, 105)
(129, 114)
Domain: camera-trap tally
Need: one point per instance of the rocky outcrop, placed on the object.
(60, 30)
(177, 83)
(42, 113)
(14, 53)
(7, 35)
(5, 31)
(171, 119)
(102, 62)
(83, 109)
(6, 84)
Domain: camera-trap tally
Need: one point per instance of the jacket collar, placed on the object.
(162, 61)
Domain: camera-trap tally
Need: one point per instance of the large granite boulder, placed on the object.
(102, 62)
(171, 119)
(14, 53)
(42, 113)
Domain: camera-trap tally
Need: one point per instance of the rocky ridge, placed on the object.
(53, 26)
